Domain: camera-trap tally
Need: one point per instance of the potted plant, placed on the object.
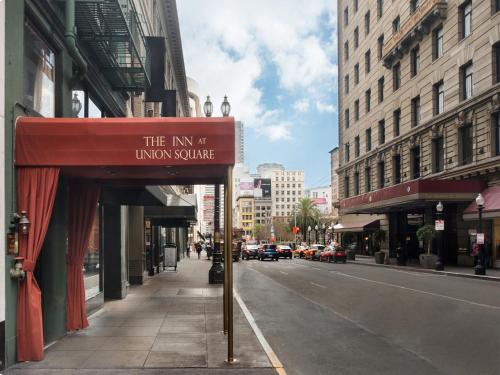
(426, 234)
(347, 240)
(379, 237)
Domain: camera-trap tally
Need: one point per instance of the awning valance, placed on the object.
(491, 205)
(359, 225)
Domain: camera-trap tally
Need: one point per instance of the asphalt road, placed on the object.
(346, 319)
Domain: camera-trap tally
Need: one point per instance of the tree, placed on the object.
(426, 234)
(307, 214)
(261, 231)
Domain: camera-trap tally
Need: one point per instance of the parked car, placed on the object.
(338, 254)
(313, 252)
(250, 249)
(284, 251)
(299, 252)
(268, 251)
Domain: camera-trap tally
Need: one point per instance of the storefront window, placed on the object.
(91, 264)
(39, 74)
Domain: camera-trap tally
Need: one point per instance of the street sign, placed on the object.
(480, 238)
(439, 224)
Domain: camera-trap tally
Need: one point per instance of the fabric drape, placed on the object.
(36, 191)
(82, 207)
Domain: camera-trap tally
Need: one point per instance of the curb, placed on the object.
(423, 270)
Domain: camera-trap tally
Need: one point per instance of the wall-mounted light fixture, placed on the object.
(19, 224)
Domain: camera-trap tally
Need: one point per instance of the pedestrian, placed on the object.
(198, 250)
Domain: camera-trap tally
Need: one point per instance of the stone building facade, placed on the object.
(419, 119)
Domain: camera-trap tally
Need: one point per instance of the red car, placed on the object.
(333, 253)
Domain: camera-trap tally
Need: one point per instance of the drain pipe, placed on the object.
(70, 36)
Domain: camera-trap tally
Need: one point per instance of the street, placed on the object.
(324, 318)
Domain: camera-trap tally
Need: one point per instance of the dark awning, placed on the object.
(491, 205)
(356, 224)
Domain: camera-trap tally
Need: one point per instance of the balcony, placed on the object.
(111, 30)
(413, 29)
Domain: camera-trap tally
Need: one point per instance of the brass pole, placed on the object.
(226, 257)
(229, 235)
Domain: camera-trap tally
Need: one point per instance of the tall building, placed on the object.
(334, 185)
(322, 198)
(239, 139)
(287, 188)
(419, 120)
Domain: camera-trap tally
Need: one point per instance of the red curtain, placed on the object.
(82, 206)
(36, 191)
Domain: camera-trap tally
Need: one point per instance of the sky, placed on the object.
(276, 60)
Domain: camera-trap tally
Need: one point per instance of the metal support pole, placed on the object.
(227, 260)
(440, 260)
(480, 267)
(229, 265)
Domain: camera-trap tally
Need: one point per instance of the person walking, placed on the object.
(198, 250)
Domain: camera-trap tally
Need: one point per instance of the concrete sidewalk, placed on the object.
(173, 323)
(455, 271)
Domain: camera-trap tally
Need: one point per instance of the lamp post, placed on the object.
(440, 229)
(216, 273)
(316, 233)
(324, 233)
(309, 234)
(480, 268)
(76, 105)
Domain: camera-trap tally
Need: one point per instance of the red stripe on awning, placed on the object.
(491, 201)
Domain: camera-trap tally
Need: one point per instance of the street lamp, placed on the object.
(225, 107)
(480, 268)
(324, 233)
(76, 105)
(316, 233)
(208, 107)
(440, 229)
(309, 234)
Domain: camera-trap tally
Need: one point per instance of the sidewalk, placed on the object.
(456, 271)
(172, 322)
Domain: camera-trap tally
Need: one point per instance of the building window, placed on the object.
(381, 175)
(356, 74)
(466, 82)
(465, 143)
(346, 16)
(438, 96)
(396, 122)
(413, 6)
(396, 77)
(381, 132)
(381, 84)
(346, 84)
(495, 6)
(380, 8)
(346, 186)
(356, 183)
(437, 154)
(496, 133)
(415, 111)
(356, 37)
(415, 61)
(367, 62)
(355, 3)
(368, 133)
(347, 155)
(465, 19)
(396, 25)
(396, 169)
(368, 179)
(415, 162)
(437, 43)
(39, 74)
(356, 110)
(496, 62)
(368, 100)
(346, 118)
(356, 146)
(380, 47)
(346, 51)
(367, 23)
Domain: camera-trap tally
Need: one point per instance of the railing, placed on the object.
(425, 8)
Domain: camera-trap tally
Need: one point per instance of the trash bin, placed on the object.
(400, 257)
(171, 255)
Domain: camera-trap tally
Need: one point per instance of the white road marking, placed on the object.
(316, 268)
(318, 285)
(284, 273)
(416, 290)
(273, 358)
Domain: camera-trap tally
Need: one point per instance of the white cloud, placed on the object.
(229, 44)
(301, 105)
(329, 108)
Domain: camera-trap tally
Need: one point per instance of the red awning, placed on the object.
(491, 205)
(159, 150)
